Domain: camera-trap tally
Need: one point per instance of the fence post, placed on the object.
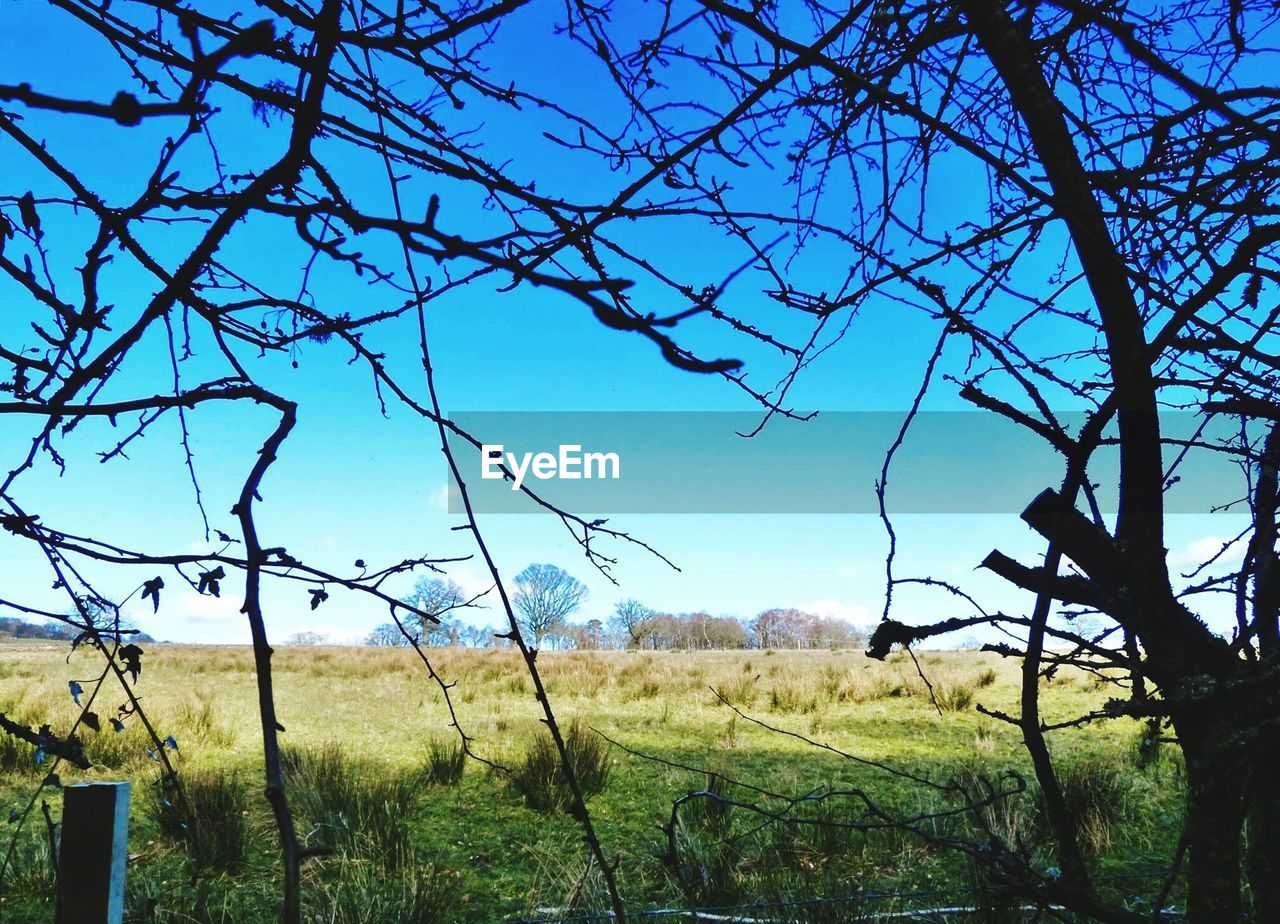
(93, 851)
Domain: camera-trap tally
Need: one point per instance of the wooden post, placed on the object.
(93, 852)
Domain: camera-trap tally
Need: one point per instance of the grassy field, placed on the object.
(375, 779)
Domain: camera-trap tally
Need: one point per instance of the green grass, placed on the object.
(376, 778)
(353, 805)
(540, 778)
(444, 762)
(209, 816)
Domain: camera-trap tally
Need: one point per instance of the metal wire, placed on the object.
(741, 913)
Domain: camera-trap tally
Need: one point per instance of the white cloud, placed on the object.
(1198, 551)
(472, 582)
(187, 609)
(836, 609)
(176, 617)
(208, 608)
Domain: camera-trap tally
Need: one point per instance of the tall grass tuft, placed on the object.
(1014, 819)
(739, 689)
(793, 696)
(350, 805)
(815, 833)
(213, 821)
(711, 813)
(706, 860)
(198, 719)
(419, 892)
(1007, 824)
(540, 778)
(31, 868)
(1096, 793)
(444, 763)
(116, 750)
(954, 695)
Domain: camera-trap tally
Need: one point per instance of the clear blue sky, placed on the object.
(353, 484)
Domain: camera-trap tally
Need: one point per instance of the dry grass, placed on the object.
(206, 696)
(954, 695)
(375, 772)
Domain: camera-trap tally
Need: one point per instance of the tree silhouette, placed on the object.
(1151, 181)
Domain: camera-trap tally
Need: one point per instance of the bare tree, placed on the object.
(1121, 261)
(1136, 147)
(793, 628)
(545, 597)
(482, 637)
(629, 618)
(309, 639)
(434, 599)
(387, 635)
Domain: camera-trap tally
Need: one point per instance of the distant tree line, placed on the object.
(546, 597)
(19, 628)
(11, 627)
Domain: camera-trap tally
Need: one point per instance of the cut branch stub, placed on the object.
(1068, 588)
(1084, 542)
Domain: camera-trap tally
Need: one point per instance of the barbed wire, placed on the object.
(740, 914)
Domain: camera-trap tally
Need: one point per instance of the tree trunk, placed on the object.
(1263, 831)
(1214, 826)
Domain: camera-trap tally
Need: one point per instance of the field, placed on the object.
(375, 782)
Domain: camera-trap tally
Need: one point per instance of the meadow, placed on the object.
(410, 833)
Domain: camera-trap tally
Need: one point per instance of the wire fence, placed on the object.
(783, 911)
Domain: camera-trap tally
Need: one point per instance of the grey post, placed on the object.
(93, 852)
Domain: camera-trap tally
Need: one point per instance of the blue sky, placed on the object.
(354, 484)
